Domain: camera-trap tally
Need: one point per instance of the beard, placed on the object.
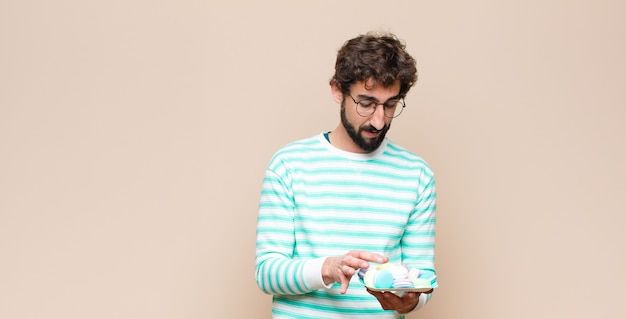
(357, 137)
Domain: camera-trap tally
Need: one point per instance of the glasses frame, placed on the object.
(401, 102)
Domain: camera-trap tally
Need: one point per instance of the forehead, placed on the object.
(371, 88)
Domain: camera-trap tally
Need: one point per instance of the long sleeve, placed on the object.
(418, 242)
(276, 270)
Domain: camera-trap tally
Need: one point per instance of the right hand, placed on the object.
(341, 268)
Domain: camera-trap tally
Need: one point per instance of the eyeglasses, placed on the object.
(366, 107)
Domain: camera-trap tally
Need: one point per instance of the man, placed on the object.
(336, 202)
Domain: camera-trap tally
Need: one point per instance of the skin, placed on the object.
(341, 268)
(371, 130)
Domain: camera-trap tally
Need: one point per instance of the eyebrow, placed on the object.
(371, 98)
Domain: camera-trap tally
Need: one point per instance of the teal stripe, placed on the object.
(299, 285)
(346, 208)
(284, 281)
(333, 179)
(342, 247)
(335, 308)
(381, 220)
(275, 218)
(355, 234)
(271, 230)
(270, 266)
(275, 205)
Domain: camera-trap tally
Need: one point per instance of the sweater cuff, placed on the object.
(313, 274)
(423, 300)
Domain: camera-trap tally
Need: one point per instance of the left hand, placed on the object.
(390, 301)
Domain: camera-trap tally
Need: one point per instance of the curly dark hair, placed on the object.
(380, 57)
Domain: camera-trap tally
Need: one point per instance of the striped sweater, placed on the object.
(318, 201)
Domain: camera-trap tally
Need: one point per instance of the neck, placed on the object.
(340, 139)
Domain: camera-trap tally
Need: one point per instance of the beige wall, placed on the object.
(134, 134)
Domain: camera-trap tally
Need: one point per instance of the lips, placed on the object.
(371, 134)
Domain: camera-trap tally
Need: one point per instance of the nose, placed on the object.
(378, 117)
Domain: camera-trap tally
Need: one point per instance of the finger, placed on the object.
(386, 300)
(391, 301)
(345, 282)
(411, 297)
(408, 302)
(395, 302)
(353, 262)
(347, 270)
(346, 274)
(376, 294)
(369, 256)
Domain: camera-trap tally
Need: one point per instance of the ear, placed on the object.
(336, 91)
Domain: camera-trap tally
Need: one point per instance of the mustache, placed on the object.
(372, 129)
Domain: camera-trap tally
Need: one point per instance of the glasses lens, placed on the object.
(395, 112)
(365, 108)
